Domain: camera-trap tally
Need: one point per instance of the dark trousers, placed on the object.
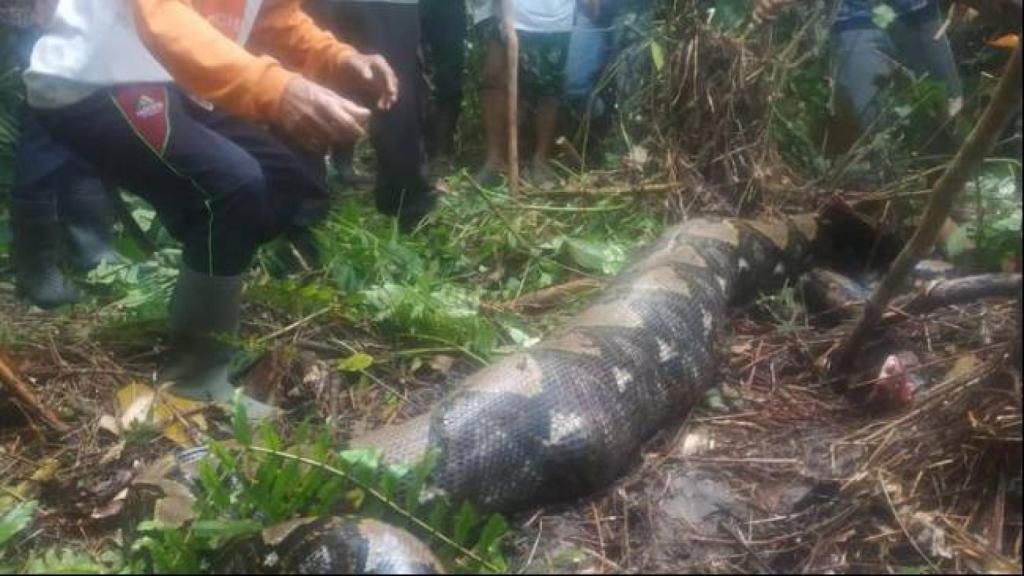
(44, 171)
(220, 185)
(444, 43)
(393, 31)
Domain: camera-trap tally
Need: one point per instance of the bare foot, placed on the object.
(542, 175)
(490, 175)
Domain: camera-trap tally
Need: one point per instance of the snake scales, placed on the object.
(565, 417)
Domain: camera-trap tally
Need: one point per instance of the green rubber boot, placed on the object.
(204, 307)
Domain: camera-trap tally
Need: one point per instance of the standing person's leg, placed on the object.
(86, 212)
(213, 195)
(918, 48)
(494, 100)
(35, 224)
(403, 188)
(54, 191)
(36, 246)
(444, 35)
(588, 51)
(543, 57)
(929, 57)
(862, 64)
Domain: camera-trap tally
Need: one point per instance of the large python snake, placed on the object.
(566, 417)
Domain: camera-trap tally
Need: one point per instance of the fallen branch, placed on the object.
(834, 292)
(960, 291)
(26, 398)
(972, 153)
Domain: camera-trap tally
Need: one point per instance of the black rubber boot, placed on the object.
(205, 310)
(87, 213)
(37, 255)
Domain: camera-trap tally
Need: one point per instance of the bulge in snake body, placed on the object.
(565, 417)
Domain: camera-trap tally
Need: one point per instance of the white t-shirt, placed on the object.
(531, 15)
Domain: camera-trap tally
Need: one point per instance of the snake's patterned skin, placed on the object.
(566, 417)
(331, 545)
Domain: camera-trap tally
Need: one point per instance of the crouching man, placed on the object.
(217, 112)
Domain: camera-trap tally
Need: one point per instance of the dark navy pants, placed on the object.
(444, 46)
(44, 170)
(393, 31)
(220, 185)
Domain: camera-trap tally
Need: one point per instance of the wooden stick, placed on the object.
(508, 17)
(1004, 104)
(838, 293)
(548, 297)
(961, 290)
(27, 398)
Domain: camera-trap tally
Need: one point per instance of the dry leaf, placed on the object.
(141, 405)
(47, 470)
(135, 403)
(962, 366)
(114, 453)
(112, 508)
(274, 535)
(110, 424)
(442, 363)
(174, 511)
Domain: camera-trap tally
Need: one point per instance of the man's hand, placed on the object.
(371, 75)
(317, 118)
(765, 11)
(592, 8)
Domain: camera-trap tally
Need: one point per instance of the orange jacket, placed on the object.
(203, 45)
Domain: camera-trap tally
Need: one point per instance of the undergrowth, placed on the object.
(481, 246)
(257, 480)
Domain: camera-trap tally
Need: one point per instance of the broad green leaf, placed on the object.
(597, 256)
(465, 521)
(439, 517)
(657, 55)
(16, 519)
(219, 532)
(491, 534)
(356, 362)
(55, 561)
(240, 421)
(883, 16)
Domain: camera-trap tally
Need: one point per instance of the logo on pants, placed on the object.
(145, 109)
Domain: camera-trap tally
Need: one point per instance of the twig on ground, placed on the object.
(27, 398)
